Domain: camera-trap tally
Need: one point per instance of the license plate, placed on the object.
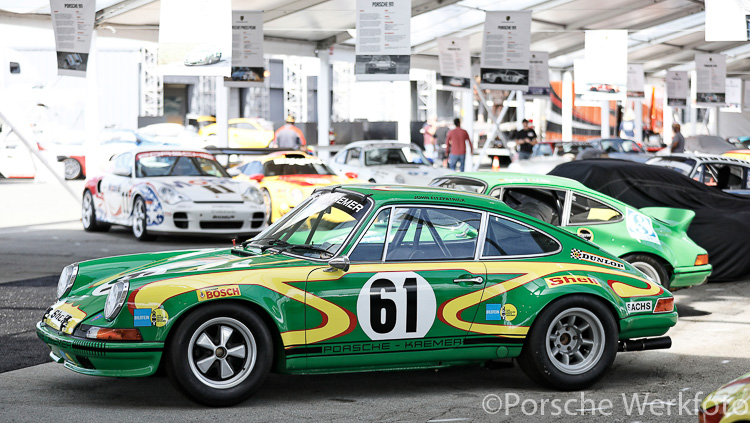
(58, 319)
(640, 307)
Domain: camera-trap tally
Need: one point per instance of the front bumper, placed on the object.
(645, 325)
(211, 218)
(690, 276)
(97, 358)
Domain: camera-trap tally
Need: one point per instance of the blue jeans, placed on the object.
(523, 155)
(454, 158)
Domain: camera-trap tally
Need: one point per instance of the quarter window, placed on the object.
(507, 238)
(543, 204)
(420, 234)
(586, 210)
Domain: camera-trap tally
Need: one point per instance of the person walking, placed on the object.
(678, 141)
(428, 132)
(289, 136)
(525, 140)
(455, 143)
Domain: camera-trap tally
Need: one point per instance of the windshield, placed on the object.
(318, 227)
(682, 165)
(620, 146)
(177, 163)
(296, 166)
(394, 156)
(460, 184)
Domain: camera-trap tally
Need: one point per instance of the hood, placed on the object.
(207, 189)
(737, 390)
(85, 302)
(313, 180)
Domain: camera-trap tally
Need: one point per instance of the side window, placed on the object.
(370, 247)
(586, 210)
(419, 234)
(252, 168)
(352, 157)
(341, 157)
(122, 164)
(507, 238)
(722, 176)
(543, 204)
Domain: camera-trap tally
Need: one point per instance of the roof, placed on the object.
(514, 178)
(662, 34)
(447, 197)
(378, 142)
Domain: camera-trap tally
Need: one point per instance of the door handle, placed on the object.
(475, 280)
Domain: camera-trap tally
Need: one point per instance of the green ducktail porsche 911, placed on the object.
(361, 278)
(653, 239)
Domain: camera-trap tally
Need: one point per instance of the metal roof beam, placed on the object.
(118, 9)
(288, 9)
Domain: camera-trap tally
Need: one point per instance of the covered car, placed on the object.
(722, 220)
(730, 174)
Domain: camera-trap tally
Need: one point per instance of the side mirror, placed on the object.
(257, 177)
(341, 263)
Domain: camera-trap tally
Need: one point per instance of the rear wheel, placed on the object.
(651, 267)
(220, 354)
(73, 168)
(572, 343)
(88, 215)
(140, 221)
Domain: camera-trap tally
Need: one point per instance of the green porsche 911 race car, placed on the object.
(360, 278)
(653, 239)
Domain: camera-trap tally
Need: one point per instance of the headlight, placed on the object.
(171, 196)
(67, 277)
(115, 299)
(297, 196)
(253, 194)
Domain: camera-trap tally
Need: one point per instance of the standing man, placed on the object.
(428, 132)
(678, 141)
(289, 136)
(525, 140)
(455, 143)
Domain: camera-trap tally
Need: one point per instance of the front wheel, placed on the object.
(140, 221)
(651, 267)
(572, 343)
(88, 215)
(220, 354)
(269, 205)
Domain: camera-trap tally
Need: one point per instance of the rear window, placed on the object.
(460, 184)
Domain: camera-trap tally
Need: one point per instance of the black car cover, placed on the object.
(722, 220)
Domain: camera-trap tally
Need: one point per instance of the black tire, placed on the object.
(372, 181)
(651, 267)
(269, 205)
(140, 221)
(185, 352)
(88, 215)
(542, 364)
(73, 168)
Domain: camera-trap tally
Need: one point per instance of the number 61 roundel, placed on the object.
(396, 305)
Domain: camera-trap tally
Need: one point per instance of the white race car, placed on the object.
(171, 191)
(386, 162)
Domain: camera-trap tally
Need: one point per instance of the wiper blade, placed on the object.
(311, 248)
(239, 252)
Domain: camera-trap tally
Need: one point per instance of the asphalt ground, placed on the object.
(710, 347)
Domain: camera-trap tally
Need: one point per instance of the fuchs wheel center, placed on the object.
(221, 352)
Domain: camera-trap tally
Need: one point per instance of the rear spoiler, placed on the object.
(678, 219)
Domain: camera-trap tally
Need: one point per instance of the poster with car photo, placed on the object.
(73, 25)
(383, 46)
(505, 51)
(733, 96)
(677, 88)
(606, 54)
(247, 50)
(195, 39)
(636, 81)
(539, 86)
(455, 63)
(710, 77)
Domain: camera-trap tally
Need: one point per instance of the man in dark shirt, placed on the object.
(455, 143)
(525, 140)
